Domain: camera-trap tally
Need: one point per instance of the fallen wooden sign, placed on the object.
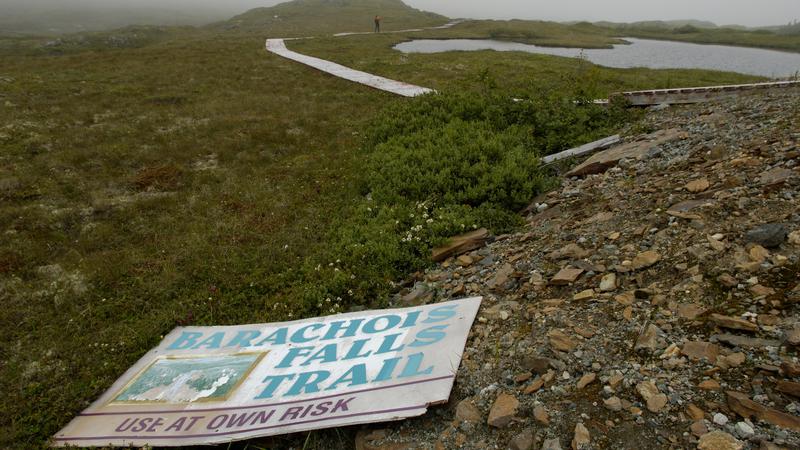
(210, 385)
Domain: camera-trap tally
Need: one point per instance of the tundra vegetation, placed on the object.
(156, 177)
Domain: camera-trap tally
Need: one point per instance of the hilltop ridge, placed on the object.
(298, 17)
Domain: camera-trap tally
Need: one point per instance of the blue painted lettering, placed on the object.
(308, 382)
(186, 340)
(441, 313)
(411, 368)
(273, 382)
(429, 336)
(355, 376)
(278, 337)
(243, 338)
(299, 337)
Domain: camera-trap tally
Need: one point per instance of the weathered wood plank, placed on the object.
(278, 46)
(583, 149)
(696, 94)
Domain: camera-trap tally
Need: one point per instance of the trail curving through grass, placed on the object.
(278, 47)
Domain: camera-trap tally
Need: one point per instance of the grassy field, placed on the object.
(177, 183)
(195, 179)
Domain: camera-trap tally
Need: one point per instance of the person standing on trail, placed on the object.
(378, 24)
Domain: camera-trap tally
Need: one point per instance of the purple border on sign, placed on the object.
(385, 411)
(249, 430)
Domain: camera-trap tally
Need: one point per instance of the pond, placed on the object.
(639, 53)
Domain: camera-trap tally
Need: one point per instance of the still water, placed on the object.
(640, 53)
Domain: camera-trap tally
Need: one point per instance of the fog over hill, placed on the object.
(67, 16)
(61, 16)
(744, 12)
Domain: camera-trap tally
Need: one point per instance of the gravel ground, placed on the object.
(650, 303)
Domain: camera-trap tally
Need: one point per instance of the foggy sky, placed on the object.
(721, 12)
(745, 12)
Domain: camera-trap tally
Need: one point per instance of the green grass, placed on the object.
(178, 183)
(197, 179)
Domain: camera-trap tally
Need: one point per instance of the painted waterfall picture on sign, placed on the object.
(188, 380)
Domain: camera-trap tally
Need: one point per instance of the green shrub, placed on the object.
(438, 166)
(459, 163)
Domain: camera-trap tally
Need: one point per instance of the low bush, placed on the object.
(438, 166)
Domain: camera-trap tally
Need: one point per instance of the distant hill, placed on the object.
(54, 19)
(313, 17)
(700, 32)
(660, 24)
(789, 29)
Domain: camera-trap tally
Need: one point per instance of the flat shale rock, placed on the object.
(536, 364)
(793, 336)
(551, 444)
(654, 399)
(561, 341)
(586, 380)
(466, 411)
(503, 411)
(688, 205)
(697, 350)
(522, 441)
(649, 340)
(541, 415)
(769, 235)
(602, 161)
(571, 251)
(608, 283)
(461, 244)
(645, 259)
(613, 403)
(567, 275)
(719, 440)
(690, 311)
(742, 405)
(696, 186)
(501, 277)
(745, 342)
(582, 437)
(698, 428)
(776, 176)
(733, 323)
(788, 387)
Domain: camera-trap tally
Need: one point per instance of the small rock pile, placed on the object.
(651, 302)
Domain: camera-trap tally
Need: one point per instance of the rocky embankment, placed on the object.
(651, 302)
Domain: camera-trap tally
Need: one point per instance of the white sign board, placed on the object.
(206, 385)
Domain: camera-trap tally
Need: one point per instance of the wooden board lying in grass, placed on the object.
(583, 149)
(278, 47)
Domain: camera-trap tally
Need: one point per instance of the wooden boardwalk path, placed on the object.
(278, 47)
